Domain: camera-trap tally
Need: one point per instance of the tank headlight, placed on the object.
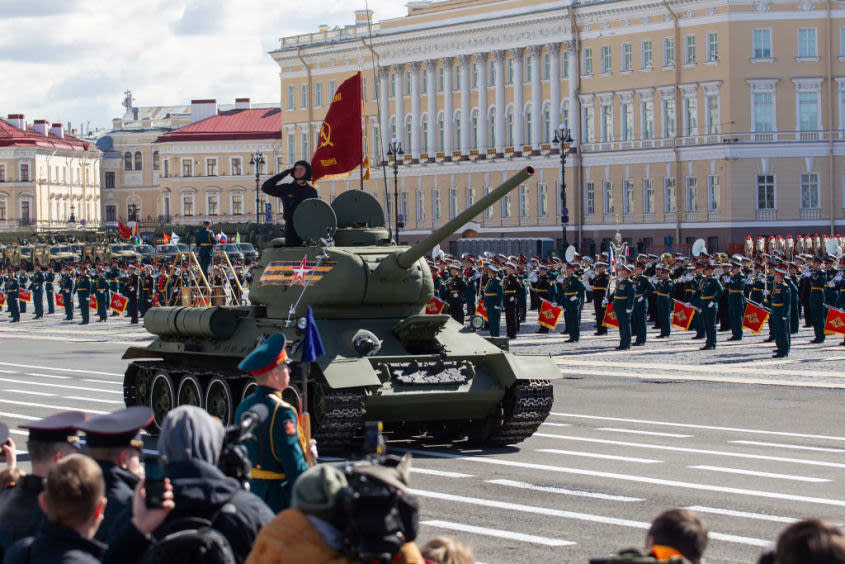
(477, 322)
(301, 323)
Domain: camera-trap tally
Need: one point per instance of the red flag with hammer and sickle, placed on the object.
(339, 144)
(549, 315)
(435, 306)
(610, 319)
(835, 322)
(682, 315)
(755, 317)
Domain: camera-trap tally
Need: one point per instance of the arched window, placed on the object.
(155, 160)
(474, 130)
(456, 142)
(424, 133)
(127, 161)
(440, 132)
(527, 121)
(138, 163)
(547, 123)
(491, 120)
(509, 128)
(408, 136)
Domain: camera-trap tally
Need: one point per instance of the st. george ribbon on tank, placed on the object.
(385, 359)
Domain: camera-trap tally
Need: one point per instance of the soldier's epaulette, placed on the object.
(278, 399)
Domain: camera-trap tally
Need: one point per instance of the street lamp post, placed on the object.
(395, 150)
(563, 140)
(257, 160)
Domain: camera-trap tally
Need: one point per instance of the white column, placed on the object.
(481, 59)
(574, 124)
(400, 105)
(499, 124)
(554, 82)
(415, 111)
(431, 100)
(536, 97)
(518, 103)
(465, 108)
(448, 109)
(385, 113)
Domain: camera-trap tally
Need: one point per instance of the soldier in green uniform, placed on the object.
(493, 297)
(36, 286)
(23, 282)
(11, 287)
(511, 288)
(572, 294)
(709, 292)
(780, 303)
(623, 305)
(83, 292)
(663, 292)
(205, 245)
(49, 280)
(643, 289)
(67, 293)
(695, 300)
(456, 286)
(278, 453)
(736, 300)
(544, 289)
(601, 283)
(791, 280)
(101, 285)
(819, 314)
(113, 277)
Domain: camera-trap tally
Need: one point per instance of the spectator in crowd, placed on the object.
(810, 542)
(11, 474)
(677, 532)
(190, 442)
(443, 550)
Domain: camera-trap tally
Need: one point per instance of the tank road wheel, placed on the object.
(523, 409)
(218, 400)
(162, 397)
(336, 415)
(143, 382)
(190, 392)
(249, 389)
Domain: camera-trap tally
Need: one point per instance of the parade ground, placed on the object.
(749, 442)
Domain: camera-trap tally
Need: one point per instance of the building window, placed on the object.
(3, 173)
(441, 78)
(491, 73)
(842, 112)
(765, 192)
(606, 123)
(627, 197)
(304, 148)
(714, 126)
(509, 128)
(111, 213)
(526, 120)
(291, 147)
(542, 200)
(627, 111)
(187, 167)
(188, 205)
(420, 206)
(808, 111)
(810, 191)
(529, 68)
(441, 133)
(403, 208)
(648, 119)
(648, 195)
(689, 50)
(423, 82)
(761, 44)
(691, 116)
(408, 133)
(589, 124)
(488, 213)
(303, 96)
(607, 188)
(606, 61)
(692, 193)
(713, 193)
(668, 52)
(456, 142)
(627, 57)
(127, 162)
(547, 123)
(647, 55)
(456, 77)
(669, 195)
(280, 162)
(155, 160)
(212, 204)
(564, 64)
(109, 178)
(332, 89)
(24, 173)
(807, 45)
(589, 198)
(453, 202)
(564, 113)
(506, 206)
(236, 166)
(138, 162)
(435, 204)
(763, 110)
(166, 170)
(424, 133)
(523, 201)
(211, 167)
(669, 120)
(318, 94)
(237, 203)
(474, 76)
(474, 130)
(588, 61)
(712, 47)
(547, 66)
(291, 98)
(509, 71)
(407, 84)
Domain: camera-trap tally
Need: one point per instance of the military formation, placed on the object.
(644, 290)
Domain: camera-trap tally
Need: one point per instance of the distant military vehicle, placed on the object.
(59, 254)
(104, 253)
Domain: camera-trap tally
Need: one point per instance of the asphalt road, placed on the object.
(751, 443)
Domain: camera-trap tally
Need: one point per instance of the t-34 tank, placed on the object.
(385, 358)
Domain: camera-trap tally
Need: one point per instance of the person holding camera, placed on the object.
(292, 194)
(278, 453)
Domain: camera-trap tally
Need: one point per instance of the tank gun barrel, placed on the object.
(412, 255)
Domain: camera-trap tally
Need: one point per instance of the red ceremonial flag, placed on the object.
(166, 239)
(25, 296)
(92, 303)
(60, 300)
(155, 301)
(435, 306)
(118, 303)
(835, 321)
(549, 315)
(339, 148)
(610, 319)
(481, 310)
(123, 231)
(755, 317)
(2, 299)
(199, 301)
(682, 315)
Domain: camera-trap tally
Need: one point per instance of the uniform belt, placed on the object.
(510, 291)
(259, 474)
(638, 295)
(662, 294)
(708, 297)
(542, 291)
(817, 288)
(735, 291)
(205, 244)
(569, 293)
(493, 294)
(599, 287)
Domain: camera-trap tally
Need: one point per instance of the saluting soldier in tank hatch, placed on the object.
(292, 194)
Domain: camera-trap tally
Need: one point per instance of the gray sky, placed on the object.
(71, 60)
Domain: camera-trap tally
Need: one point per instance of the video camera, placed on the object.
(234, 459)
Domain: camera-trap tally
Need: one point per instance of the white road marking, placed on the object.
(557, 424)
(760, 474)
(708, 427)
(784, 445)
(510, 535)
(114, 402)
(696, 451)
(743, 514)
(9, 372)
(563, 491)
(18, 416)
(59, 369)
(628, 477)
(650, 433)
(55, 376)
(703, 368)
(101, 381)
(53, 407)
(637, 375)
(549, 512)
(442, 473)
(608, 456)
(30, 393)
(31, 383)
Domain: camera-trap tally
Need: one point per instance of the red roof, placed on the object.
(11, 136)
(231, 125)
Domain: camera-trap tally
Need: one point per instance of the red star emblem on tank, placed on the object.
(301, 271)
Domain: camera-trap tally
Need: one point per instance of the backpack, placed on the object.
(636, 556)
(190, 540)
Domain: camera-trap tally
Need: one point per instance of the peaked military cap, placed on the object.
(601, 263)
(57, 428)
(266, 356)
(118, 429)
(780, 270)
(626, 267)
(662, 267)
(206, 220)
(493, 268)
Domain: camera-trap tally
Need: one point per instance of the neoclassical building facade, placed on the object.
(711, 119)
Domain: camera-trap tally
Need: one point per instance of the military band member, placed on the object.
(780, 303)
(710, 290)
(544, 289)
(643, 289)
(601, 282)
(493, 297)
(511, 287)
(11, 287)
(147, 291)
(36, 286)
(113, 276)
(698, 320)
(663, 293)
(791, 281)
(132, 287)
(83, 293)
(724, 302)
(572, 294)
(817, 309)
(455, 288)
(67, 292)
(736, 300)
(623, 306)
(101, 287)
(49, 280)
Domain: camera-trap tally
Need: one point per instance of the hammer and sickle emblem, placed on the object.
(326, 136)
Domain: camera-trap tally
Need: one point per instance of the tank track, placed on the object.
(526, 406)
(341, 417)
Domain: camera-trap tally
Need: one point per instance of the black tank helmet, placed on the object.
(308, 171)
